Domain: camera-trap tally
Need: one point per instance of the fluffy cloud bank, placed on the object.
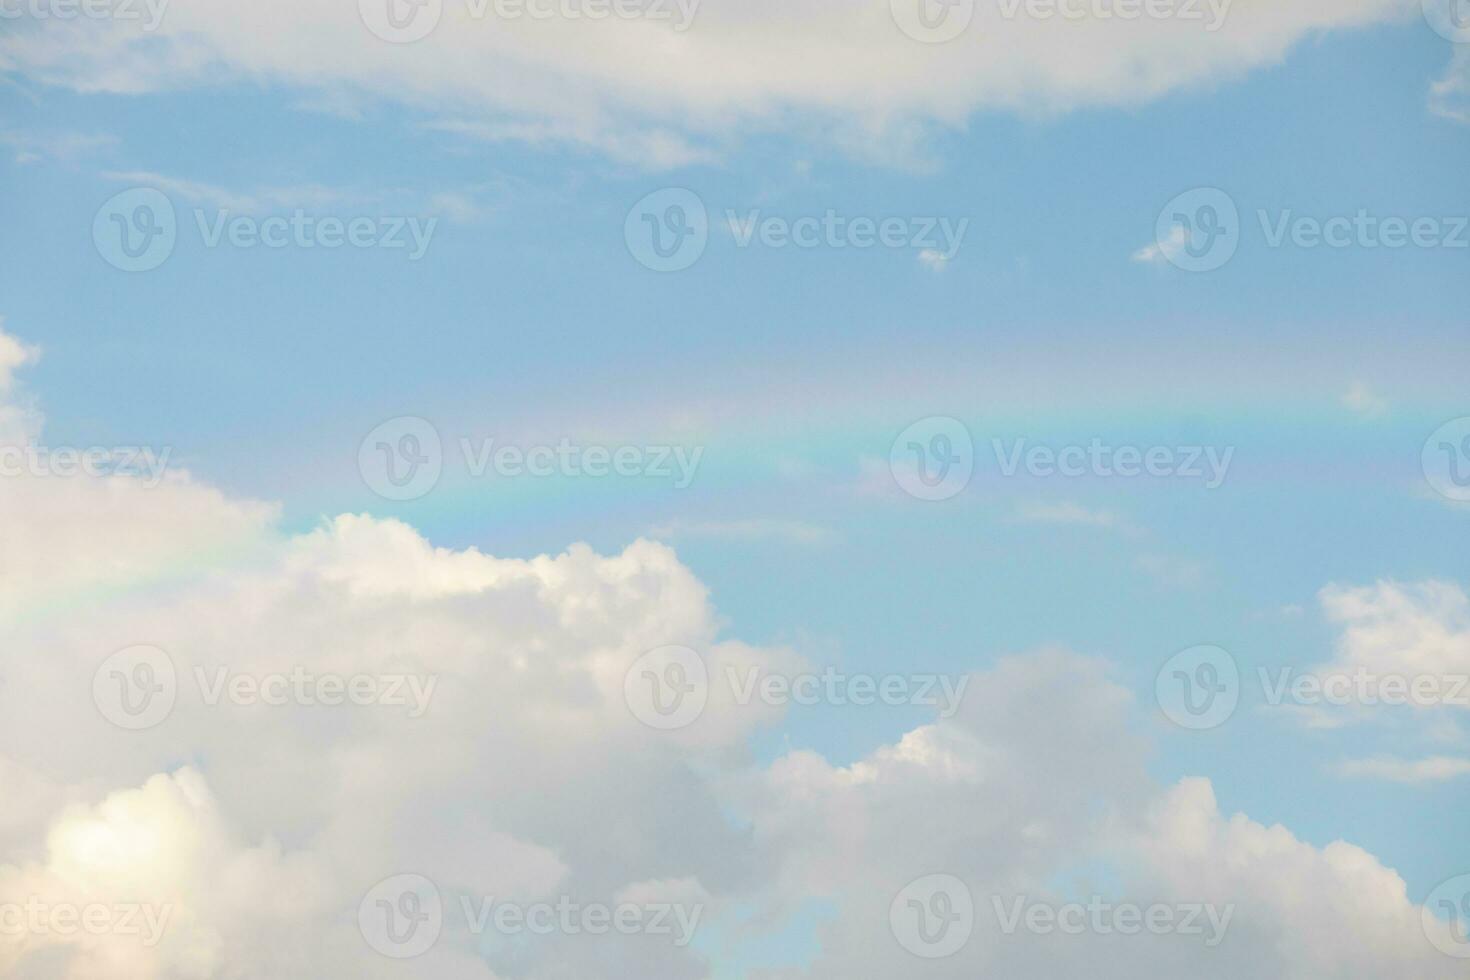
(252, 830)
(643, 90)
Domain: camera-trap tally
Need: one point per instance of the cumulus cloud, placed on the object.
(263, 826)
(646, 92)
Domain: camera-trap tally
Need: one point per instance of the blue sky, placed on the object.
(528, 319)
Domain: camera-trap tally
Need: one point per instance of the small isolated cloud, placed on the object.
(1449, 98)
(797, 532)
(64, 148)
(1434, 769)
(213, 195)
(1065, 512)
(934, 260)
(1183, 573)
(1165, 250)
(1362, 400)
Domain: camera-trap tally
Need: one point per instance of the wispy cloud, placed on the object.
(1362, 400)
(1434, 769)
(1165, 250)
(1066, 512)
(797, 532)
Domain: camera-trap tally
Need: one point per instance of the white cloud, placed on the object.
(1065, 512)
(1449, 97)
(1362, 400)
(641, 91)
(1163, 251)
(934, 260)
(1431, 770)
(1409, 629)
(528, 778)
